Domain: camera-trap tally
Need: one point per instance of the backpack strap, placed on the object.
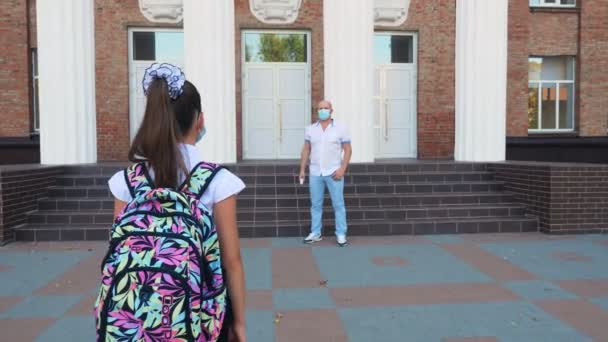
(138, 179)
(200, 178)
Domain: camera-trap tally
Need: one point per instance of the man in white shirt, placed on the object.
(325, 142)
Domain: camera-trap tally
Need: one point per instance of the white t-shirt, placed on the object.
(222, 186)
(326, 147)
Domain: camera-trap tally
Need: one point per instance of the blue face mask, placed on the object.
(324, 114)
(201, 134)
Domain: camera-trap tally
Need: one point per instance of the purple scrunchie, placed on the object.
(172, 74)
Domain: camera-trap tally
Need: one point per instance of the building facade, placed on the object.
(471, 80)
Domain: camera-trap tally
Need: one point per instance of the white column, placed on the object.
(348, 34)
(481, 80)
(66, 63)
(209, 43)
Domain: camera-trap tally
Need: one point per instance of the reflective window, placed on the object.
(276, 47)
(393, 49)
(158, 46)
(551, 93)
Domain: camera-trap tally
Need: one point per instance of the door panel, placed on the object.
(292, 93)
(395, 108)
(277, 99)
(260, 112)
(276, 94)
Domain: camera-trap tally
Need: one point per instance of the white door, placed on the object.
(147, 46)
(276, 96)
(395, 96)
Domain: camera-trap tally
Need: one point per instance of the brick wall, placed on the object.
(593, 78)
(20, 190)
(553, 33)
(567, 198)
(14, 69)
(435, 23)
(310, 18)
(33, 28)
(517, 68)
(580, 32)
(112, 21)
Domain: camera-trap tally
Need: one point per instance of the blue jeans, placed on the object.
(336, 192)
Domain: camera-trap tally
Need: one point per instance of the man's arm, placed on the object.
(304, 158)
(348, 151)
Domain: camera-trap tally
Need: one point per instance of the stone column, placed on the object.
(66, 63)
(481, 80)
(209, 47)
(348, 41)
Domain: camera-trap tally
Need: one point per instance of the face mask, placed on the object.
(201, 134)
(324, 114)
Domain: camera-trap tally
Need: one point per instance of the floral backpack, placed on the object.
(162, 277)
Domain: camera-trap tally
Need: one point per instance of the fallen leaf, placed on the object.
(323, 283)
(277, 318)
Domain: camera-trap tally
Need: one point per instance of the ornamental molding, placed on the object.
(390, 12)
(275, 11)
(162, 11)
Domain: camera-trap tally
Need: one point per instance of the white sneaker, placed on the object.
(313, 238)
(341, 240)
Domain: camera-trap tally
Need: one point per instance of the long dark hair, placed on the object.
(165, 123)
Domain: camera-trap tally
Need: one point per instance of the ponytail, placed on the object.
(156, 141)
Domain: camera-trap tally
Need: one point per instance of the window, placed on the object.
(550, 94)
(161, 46)
(276, 47)
(552, 3)
(393, 48)
(35, 112)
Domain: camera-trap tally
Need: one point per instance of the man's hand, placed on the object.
(339, 174)
(302, 174)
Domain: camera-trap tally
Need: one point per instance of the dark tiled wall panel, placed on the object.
(20, 191)
(567, 198)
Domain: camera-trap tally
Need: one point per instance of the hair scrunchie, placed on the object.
(172, 74)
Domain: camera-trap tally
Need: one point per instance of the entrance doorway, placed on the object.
(276, 93)
(395, 83)
(147, 46)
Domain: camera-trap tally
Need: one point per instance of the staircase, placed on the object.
(381, 199)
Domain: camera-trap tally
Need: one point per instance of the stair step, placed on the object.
(392, 227)
(293, 168)
(295, 214)
(102, 191)
(292, 178)
(378, 200)
(303, 201)
(32, 232)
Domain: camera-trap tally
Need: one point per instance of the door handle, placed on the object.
(386, 120)
(280, 122)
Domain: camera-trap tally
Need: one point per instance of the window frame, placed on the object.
(35, 101)
(557, 4)
(539, 84)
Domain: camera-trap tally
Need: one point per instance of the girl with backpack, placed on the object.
(168, 269)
